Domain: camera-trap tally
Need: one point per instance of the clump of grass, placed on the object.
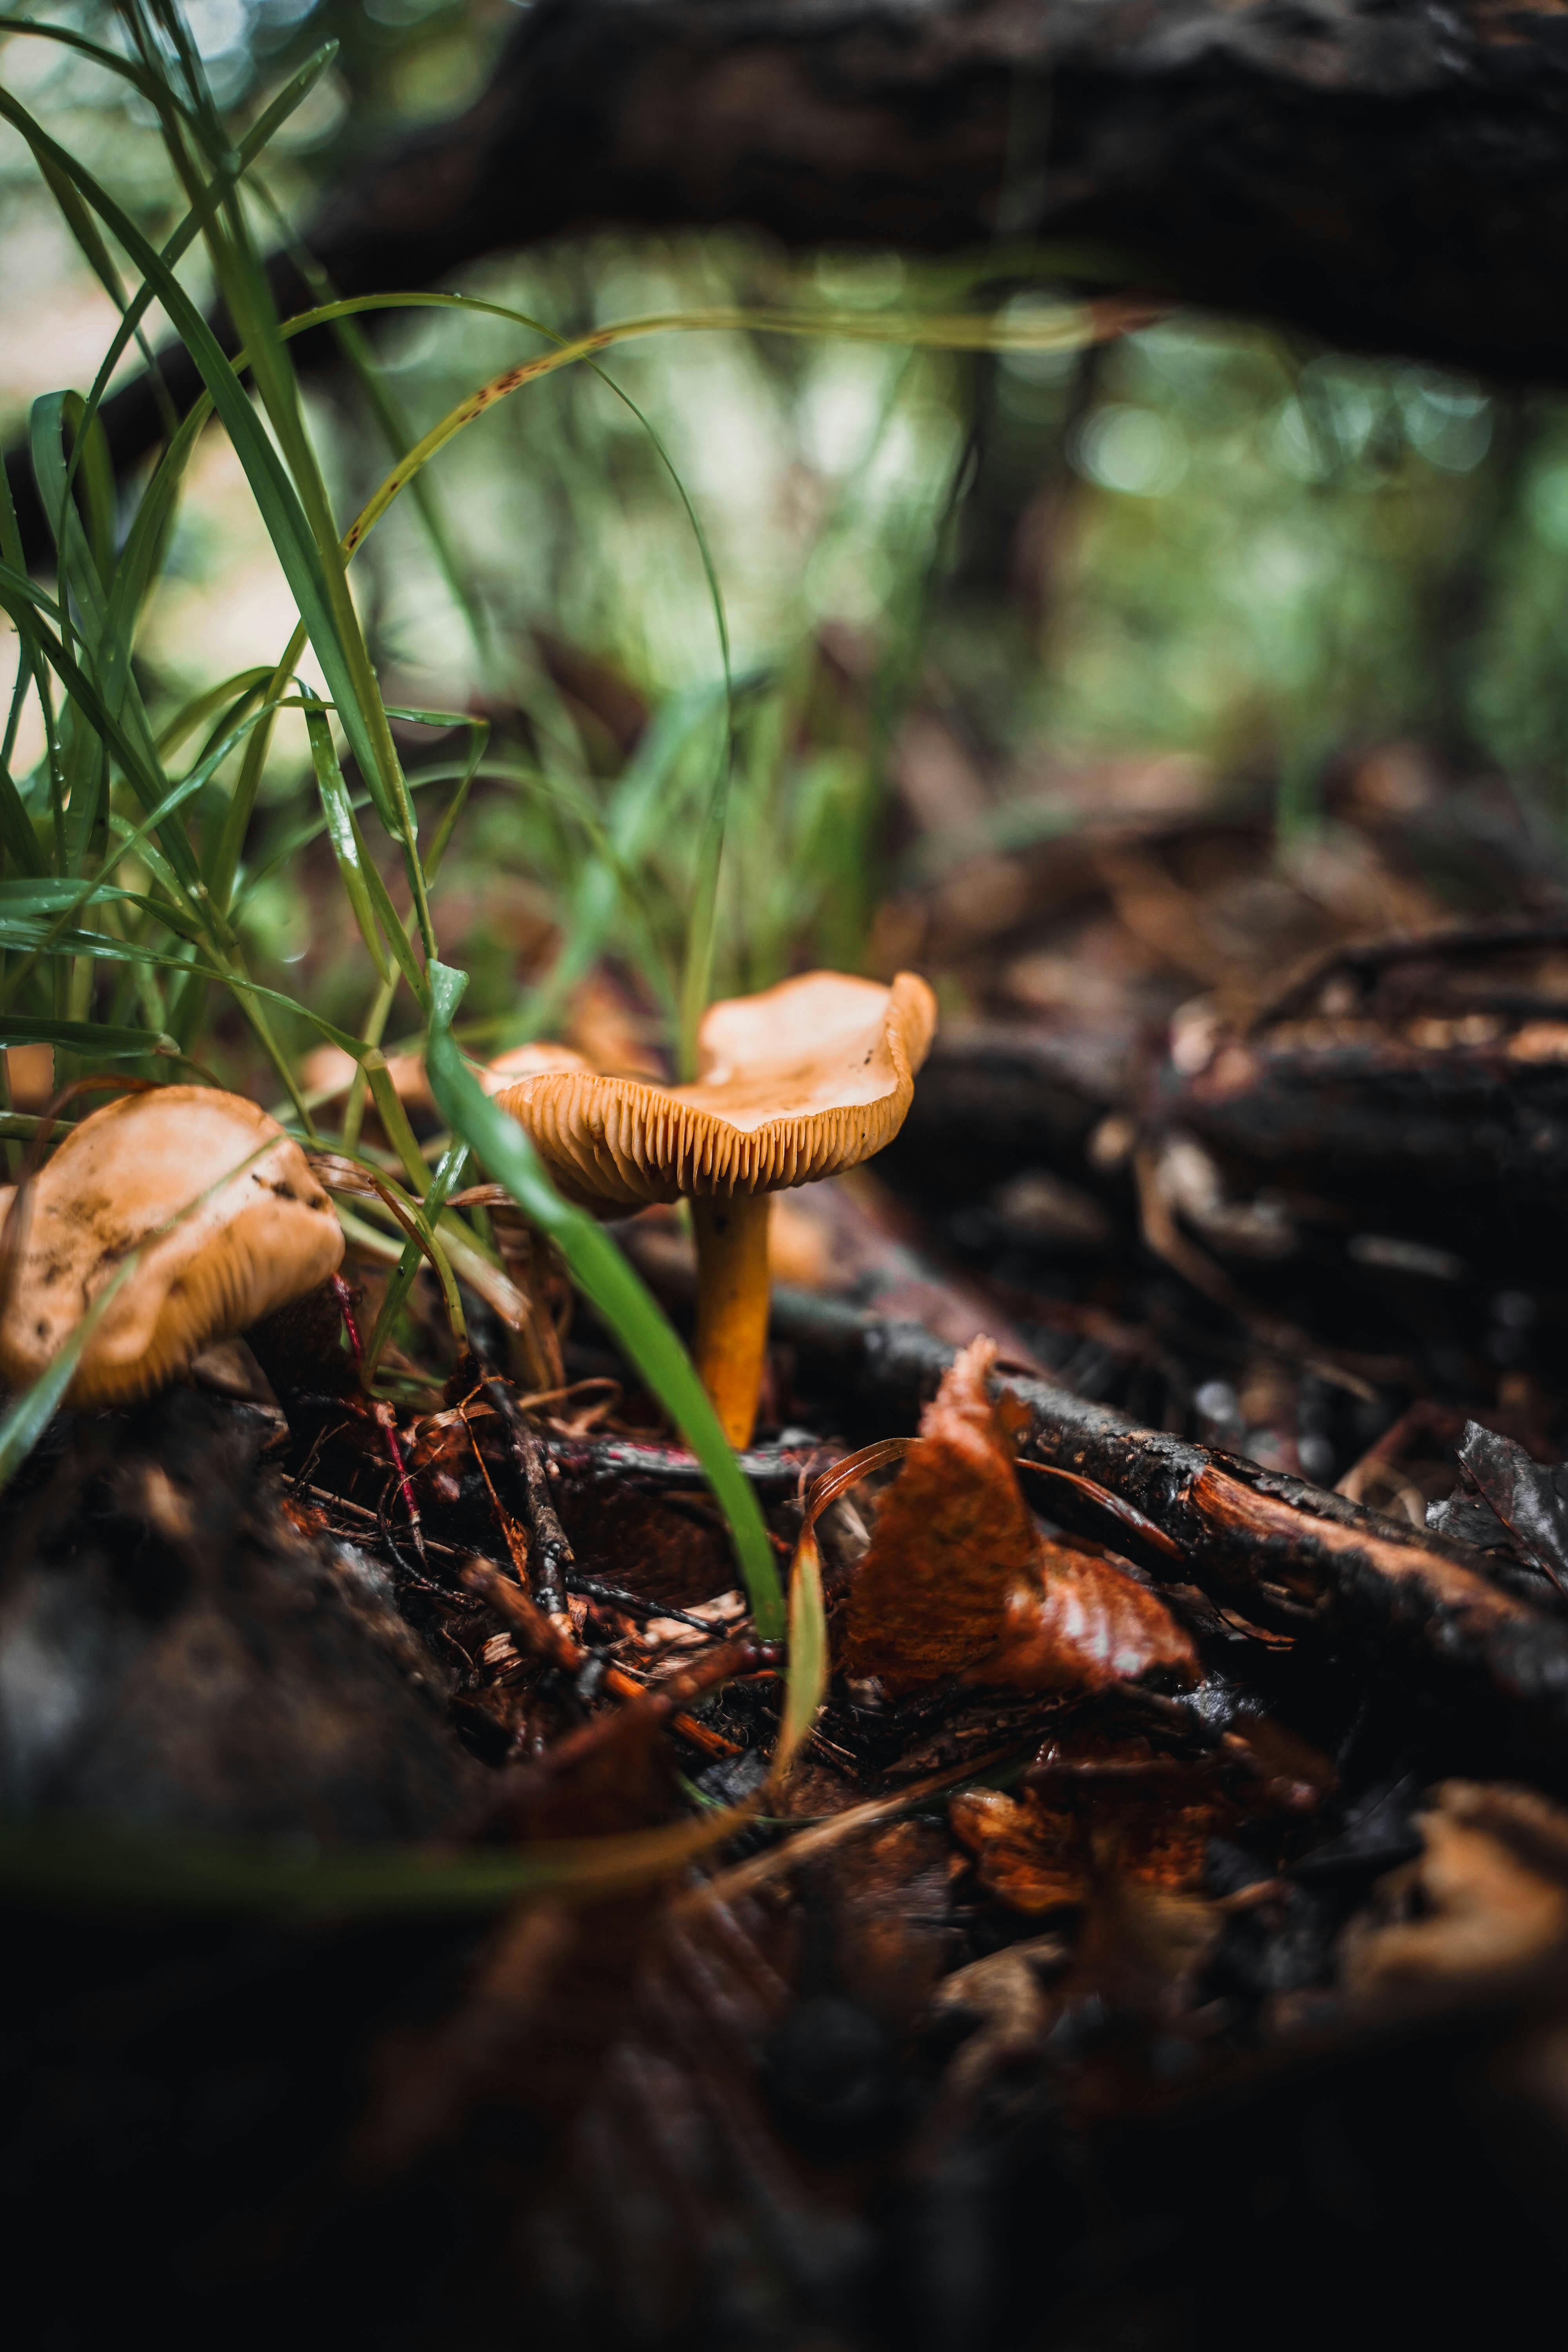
(129, 850)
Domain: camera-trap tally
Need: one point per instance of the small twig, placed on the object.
(344, 1297)
(1132, 1520)
(635, 1605)
(386, 1423)
(548, 1638)
(551, 1555)
(1424, 1418)
(516, 1542)
(824, 1835)
(324, 1496)
(772, 1473)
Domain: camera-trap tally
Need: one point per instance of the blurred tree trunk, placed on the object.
(1391, 174)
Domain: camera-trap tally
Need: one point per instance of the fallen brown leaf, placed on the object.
(1101, 1810)
(953, 1535)
(1078, 1622)
(1488, 1893)
(1034, 1861)
(957, 1579)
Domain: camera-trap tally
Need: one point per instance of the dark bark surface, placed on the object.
(1281, 1550)
(1390, 175)
(1387, 174)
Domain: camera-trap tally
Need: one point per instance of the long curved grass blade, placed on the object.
(300, 836)
(98, 887)
(348, 849)
(444, 1182)
(113, 61)
(314, 571)
(202, 706)
(91, 1864)
(103, 1040)
(24, 602)
(1073, 327)
(395, 1120)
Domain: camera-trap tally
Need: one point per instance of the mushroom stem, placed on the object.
(732, 1304)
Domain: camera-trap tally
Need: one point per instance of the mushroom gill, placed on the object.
(799, 1083)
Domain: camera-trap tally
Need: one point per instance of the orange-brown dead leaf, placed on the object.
(953, 1535)
(1035, 1862)
(1077, 1623)
(957, 1579)
(1106, 1811)
(1487, 1894)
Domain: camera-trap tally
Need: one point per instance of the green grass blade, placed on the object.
(101, 1041)
(342, 833)
(315, 575)
(90, 1866)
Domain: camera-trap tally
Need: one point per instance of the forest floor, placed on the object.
(1161, 1931)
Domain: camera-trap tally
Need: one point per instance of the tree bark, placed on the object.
(1390, 174)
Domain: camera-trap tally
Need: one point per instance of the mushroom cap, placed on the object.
(534, 1061)
(330, 1072)
(266, 1236)
(797, 1083)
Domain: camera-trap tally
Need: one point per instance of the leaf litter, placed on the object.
(1082, 1816)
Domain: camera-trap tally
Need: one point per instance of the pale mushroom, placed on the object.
(799, 1083)
(262, 1232)
(327, 1073)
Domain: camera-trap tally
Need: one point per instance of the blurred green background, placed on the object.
(1206, 540)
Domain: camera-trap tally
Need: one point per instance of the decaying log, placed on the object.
(1414, 1085)
(1286, 1553)
(995, 1097)
(1388, 175)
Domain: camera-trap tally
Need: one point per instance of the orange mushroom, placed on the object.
(261, 1232)
(800, 1082)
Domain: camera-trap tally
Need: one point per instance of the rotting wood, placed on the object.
(1286, 1552)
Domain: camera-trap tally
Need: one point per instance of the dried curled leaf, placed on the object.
(1035, 1861)
(1047, 1851)
(953, 1535)
(957, 1579)
(1488, 1893)
(1078, 1623)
